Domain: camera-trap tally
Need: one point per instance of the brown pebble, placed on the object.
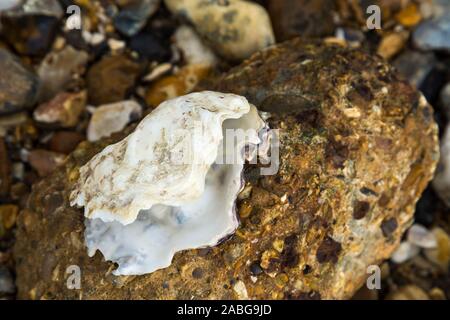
(291, 18)
(8, 215)
(45, 162)
(392, 44)
(65, 141)
(110, 79)
(360, 210)
(64, 109)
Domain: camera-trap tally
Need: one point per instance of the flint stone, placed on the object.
(18, 85)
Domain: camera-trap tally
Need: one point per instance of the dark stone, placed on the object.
(6, 281)
(111, 79)
(307, 269)
(133, 16)
(197, 273)
(304, 18)
(415, 66)
(389, 226)
(427, 207)
(289, 257)
(150, 47)
(29, 34)
(328, 251)
(360, 209)
(18, 85)
(255, 268)
(368, 192)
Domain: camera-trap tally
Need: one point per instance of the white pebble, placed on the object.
(404, 252)
(421, 237)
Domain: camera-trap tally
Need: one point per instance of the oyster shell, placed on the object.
(172, 184)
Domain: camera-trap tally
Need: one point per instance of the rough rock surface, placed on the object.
(358, 146)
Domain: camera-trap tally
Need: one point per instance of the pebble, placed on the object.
(365, 293)
(116, 45)
(420, 236)
(255, 269)
(234, 29)
(433, 34)
(7, 4)
(133, 16)
(8, 215)
(44, 161)
(441, 254)
(64, 109)
(408, 292)
(434, 8)
(19, 190)
(158, 71)
(18, 85)
(444, 100)
(305, 18)
(13, 120)
(178, 84)
(7, 285)
(245, 210)
(240, 290)
(404, 252)
(93, 38)
(415, 66)
(110, 79)
(65, 141)
(5, 167)
(149, 46)
(110, 118)
(437, 294)
(441, 181)
(352, 37)
(32, 27)
(18, 171)
(58, 69)
(51, 8)
(409, 16)
(193, 48)
(392, 43)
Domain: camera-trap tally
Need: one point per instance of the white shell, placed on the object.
(166, 187)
